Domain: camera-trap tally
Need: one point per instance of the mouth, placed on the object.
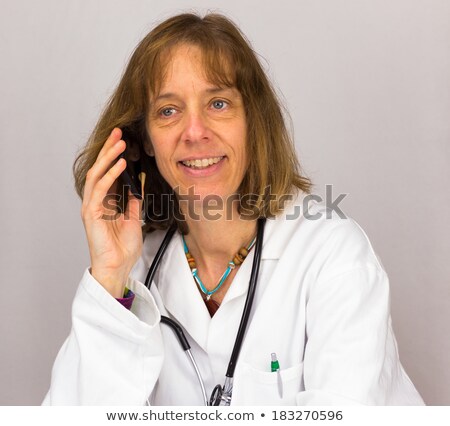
(202, 163)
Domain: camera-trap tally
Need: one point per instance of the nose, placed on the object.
(195, 126)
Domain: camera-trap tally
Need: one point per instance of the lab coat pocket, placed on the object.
(256, 387)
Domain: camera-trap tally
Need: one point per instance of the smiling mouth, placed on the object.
(202, 163)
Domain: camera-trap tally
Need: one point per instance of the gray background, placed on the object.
(367, 84)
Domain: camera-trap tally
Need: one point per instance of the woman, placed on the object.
(201, 121)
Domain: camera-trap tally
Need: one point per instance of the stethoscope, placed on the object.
(221, 395)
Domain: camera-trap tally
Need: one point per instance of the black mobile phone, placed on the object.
(134, 156)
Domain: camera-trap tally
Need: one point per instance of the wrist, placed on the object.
(114, 282)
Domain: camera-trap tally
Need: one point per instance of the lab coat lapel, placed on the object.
(180, 295)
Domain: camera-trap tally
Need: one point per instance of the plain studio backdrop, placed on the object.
(367, 84)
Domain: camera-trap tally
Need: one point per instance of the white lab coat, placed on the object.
(322, 305)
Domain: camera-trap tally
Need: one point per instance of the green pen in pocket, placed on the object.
(275, 367)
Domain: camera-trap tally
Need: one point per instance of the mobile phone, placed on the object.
(134, 173)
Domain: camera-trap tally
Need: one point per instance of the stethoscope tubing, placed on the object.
(249, 300)
(187, 348)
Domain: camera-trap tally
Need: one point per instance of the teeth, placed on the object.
(202, 163)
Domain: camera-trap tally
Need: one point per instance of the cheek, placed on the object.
(159, 148)
(163, 152)
(162, 161)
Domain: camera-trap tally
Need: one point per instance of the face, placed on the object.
(197, 129)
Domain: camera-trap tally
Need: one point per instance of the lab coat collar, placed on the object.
(279, 229)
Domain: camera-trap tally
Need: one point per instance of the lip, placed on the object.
(208, 171)
(201, 157)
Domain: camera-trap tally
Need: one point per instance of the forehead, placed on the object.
(181, 61)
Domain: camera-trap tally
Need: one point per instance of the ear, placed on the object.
(148, 148)
(133, 151)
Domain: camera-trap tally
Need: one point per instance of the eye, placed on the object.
(219, 104)
(167, 112)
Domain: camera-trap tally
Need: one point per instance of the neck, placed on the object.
(213, 243)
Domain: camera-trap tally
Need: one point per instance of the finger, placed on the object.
(101, 167)
(104, 163)
(112, 139)
(114, 136)
(100, 189)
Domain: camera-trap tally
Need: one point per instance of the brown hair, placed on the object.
(273, 170)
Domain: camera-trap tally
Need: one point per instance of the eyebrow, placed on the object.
(211, 90)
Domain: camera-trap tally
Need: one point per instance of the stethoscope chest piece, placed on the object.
(221, 395)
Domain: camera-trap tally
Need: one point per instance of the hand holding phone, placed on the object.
(115, 244)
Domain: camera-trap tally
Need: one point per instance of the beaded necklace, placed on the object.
(238, 258)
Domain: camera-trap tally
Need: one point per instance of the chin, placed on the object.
(209, 201)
